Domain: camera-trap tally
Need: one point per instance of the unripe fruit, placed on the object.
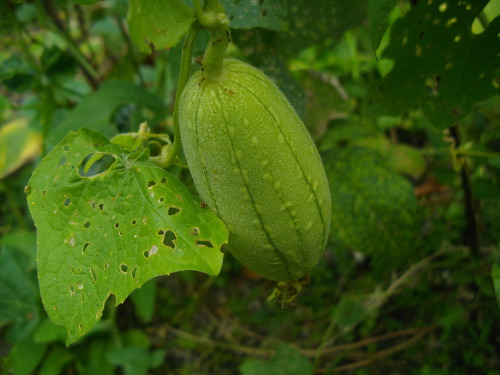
(254, 163)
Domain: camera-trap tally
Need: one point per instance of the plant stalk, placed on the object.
(187, 51)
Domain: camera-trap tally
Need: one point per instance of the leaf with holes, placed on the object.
(439, 63)
(246, 14)
(319, 21)
(108, 228)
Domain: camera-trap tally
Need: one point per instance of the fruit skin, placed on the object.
(254, 163)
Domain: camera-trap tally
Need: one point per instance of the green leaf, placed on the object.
(22, 364)
(18, 145)
(85, 2)
(19, 297)
(378, 19)
(349, 311)
(287, 361)
(57, 64)
(318, 21)
(135, 360)
(373, 207)
(17, 75)
(247, 14)
(439, 63)
(95, 111)
(55, 361)
(109, 228)
(158, 24)
(495, 276)
(144, 300)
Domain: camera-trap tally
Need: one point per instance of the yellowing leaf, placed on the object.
(18, 145)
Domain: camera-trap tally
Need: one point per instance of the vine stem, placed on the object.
(187, 51)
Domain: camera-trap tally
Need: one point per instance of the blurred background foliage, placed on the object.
(402, 100)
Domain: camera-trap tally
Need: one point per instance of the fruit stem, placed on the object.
(187, 51)
(213, 18)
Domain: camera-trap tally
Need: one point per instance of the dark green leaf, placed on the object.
(19, 297)
(287, 361)
(17, 75)
(373, 208)
(349, 311)
(158, 24)
(85, 2)
(55, 361)
(57, 64)
(438, 63)
(246, 14)
(495, 276)
(144, 300)
(108, 221)
(96, 111)
(135, 360)
(378, 19)
(20, 362)
(319, 21)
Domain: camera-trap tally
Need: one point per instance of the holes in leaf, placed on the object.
(76, 270)
(93, 274)
(66, 148)
(117, 225)
(432, 84)
(95, 164)
(133, 222)
(123, 268)
(451, 21)
(92, 204)
(87, 225)
(101, 207)
(163, 180)
(204, 243)
(154, 249)
(62, 161)
(151, 184)
(161, 200)
(133, 273)
(172, 210)
(79, 285)
(85, 245)
(194, 231)
(106, 266)
(169, 239)
(67, 201)
(71, 289)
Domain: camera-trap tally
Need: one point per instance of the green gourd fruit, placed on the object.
(254, 163)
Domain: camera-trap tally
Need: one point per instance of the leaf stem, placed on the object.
(187, 51)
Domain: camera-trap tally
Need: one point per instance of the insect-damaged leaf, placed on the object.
(439, 63)
(107, 222)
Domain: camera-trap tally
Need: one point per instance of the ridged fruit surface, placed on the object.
(254, 163)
